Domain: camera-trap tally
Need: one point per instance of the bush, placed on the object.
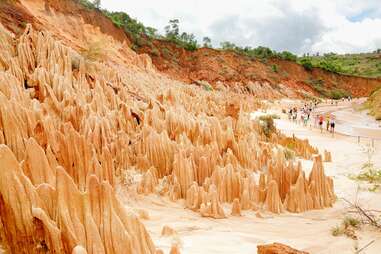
(285, 55)
(267, 125)
(94, 51)
(274, 68)
(337, 94)
(307, 64)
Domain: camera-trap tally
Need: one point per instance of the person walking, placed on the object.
(332, 123)
(327, 122)
(321, 118)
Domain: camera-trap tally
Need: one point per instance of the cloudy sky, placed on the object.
(300, 26)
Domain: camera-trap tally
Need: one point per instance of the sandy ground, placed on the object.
(308, 231)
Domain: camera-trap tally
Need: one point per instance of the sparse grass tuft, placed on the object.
(267, 125)
(348, 227)
(337, 230)
(289, 154)
(369, 173)
(94, 51)
(351, 222)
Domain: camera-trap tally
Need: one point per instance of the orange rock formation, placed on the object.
(70, 127)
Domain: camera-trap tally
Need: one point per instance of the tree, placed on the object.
(151, 32)
(97, 3)
(207, 42)
(172, 29)
(226, 45)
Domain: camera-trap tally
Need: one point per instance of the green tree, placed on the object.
(226, 45)
(151, 32)
(97, 4)
(207, 42)
(172, 29)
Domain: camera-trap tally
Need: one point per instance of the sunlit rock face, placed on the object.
(70, 128)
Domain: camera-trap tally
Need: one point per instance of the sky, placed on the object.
(299, 26)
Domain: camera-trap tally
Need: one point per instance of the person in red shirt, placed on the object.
(321, 119)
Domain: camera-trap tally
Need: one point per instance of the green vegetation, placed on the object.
(258, 52)
(289, 154)
(367, 65)
(347, 227)
(373, 104)
(142, 35)
(185, 40)
(94, 50)
(332, 93)
(368, 172)
(207, 42)
(307, 64)
(364, 65)
(267, 124)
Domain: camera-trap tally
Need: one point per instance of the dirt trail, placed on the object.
(349, 120)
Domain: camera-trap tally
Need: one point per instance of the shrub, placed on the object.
(307, 64)
(351, 221)
(166, 53)
(289, 154)
(285, 55)
(267, 125)
(274, 68)
(94, 51)
(337, 230)
(338, 94)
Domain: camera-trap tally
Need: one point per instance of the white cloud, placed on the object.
(341, 26)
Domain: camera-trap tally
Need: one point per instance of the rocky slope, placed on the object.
(218, 67)
(271, 78)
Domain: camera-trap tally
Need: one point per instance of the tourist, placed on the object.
(327, 121)
(321, 118)
(332, 125)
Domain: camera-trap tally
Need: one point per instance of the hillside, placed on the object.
(248, 69)
(362, 65)
(261, 75)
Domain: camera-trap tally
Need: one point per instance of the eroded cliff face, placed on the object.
(284, 78)
(219, 69)
(72, 129)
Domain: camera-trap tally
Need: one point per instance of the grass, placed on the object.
(267, 125)
(289, 154)
(337, 230)
(332, 93)
(347, 227)
(351, 222)
(364, 64)
(368, 172)
(373, 104)
(94, 51)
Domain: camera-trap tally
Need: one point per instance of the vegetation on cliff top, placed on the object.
(373, 104)
(364, 65)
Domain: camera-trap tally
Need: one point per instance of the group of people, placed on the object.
(329, 122)
(303, 116)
